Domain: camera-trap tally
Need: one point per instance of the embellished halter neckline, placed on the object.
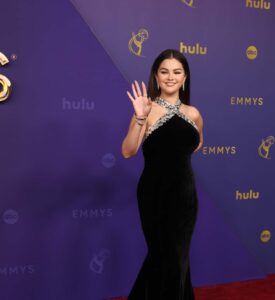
(172, 109)
(167, 104)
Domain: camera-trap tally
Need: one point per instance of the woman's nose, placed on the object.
(170, 75)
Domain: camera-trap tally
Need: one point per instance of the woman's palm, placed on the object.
(141, 103)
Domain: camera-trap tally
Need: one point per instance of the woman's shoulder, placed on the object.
(194, 112)
(193, 109)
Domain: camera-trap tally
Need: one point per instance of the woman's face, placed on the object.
(170, 76)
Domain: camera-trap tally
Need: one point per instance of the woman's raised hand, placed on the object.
(142, 104)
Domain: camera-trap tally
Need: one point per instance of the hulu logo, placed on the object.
(196, 49)
(82, 104)
(259, 4)
(247, 195)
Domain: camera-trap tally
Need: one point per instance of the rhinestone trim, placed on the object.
(173, 109)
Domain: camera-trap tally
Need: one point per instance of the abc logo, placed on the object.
(251, 52)
(10, 216)
(265, 236)
(108, 160)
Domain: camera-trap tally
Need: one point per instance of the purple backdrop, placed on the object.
(69, 226)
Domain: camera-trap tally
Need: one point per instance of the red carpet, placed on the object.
(260, 289)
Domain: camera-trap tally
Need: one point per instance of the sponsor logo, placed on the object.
(258, 4)
(16, 270)
(10, 216)
(265, 236)
(5, 84)
(79, 105)
(251, 52)
(247, 195)
(264, 148)
(98, 261)
(246, 101)
(108, 160)
(135, 43)
(189, 3)
(193, 49)
(96, 213)
(219, 150)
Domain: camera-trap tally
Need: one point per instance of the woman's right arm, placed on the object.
(132, 141)
(142, 106)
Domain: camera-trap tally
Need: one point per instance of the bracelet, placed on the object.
(140, 122)
(141, 117)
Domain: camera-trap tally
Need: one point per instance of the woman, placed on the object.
(169, 130)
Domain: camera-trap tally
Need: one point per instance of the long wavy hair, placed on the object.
(153, 91)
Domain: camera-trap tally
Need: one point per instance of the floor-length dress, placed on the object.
(167, 202)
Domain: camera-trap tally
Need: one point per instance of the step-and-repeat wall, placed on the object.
(70, 226)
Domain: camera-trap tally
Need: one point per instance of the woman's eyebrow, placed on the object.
(178, 69)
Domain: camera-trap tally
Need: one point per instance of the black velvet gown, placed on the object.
(167, 202)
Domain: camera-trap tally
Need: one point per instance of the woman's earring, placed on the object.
(158, 85)
(183, 87)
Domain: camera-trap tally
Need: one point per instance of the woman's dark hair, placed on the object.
(153, 90)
